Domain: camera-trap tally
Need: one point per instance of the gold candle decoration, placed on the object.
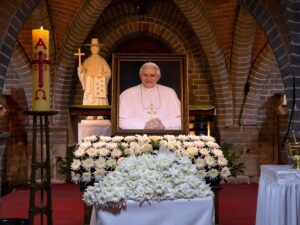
(294, 136)
(208, 128)
(40, 70)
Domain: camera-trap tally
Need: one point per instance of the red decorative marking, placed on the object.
(37, 96)
(40, 43)
(41, 61)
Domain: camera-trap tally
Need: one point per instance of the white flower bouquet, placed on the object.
(98, 155)
(165, 176)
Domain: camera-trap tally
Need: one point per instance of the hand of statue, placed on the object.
(79, 69)
(154, 123)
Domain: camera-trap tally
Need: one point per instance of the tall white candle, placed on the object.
(284, 99)
(40, 70)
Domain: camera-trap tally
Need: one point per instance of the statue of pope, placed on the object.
(94, 74)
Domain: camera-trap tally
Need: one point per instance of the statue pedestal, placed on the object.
(93, 127)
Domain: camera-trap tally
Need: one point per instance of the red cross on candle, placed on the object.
(41, 61)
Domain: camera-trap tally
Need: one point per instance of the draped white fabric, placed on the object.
(278, 196)
(93, 127)
(177, 212)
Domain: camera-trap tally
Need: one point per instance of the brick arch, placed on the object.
(142, 44)
(286, 54)
(164, 12)
(241, 58)
(262, 68)
(158, 14)
(20, 61)
(292, 18)
(292, 14)
(67, 69)
(40, 16)
(17, 12)
(135, 26)
(78, 30)
(199, 19)
(21, 64)
(265, 19)
(176, 40)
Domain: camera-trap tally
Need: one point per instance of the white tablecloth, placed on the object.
(278, 196)
(177, 212)
(93, 127)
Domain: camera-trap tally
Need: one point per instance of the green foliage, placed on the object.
(62, 165)
(120, 146)
(155, 144)
(235, 168)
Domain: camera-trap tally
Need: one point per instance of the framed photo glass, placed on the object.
(149, 94)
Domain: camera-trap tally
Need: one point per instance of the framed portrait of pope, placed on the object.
(149, 94)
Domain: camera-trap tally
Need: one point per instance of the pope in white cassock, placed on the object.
(149, 105)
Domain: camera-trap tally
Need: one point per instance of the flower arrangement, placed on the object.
(175, 178)
(98, 155)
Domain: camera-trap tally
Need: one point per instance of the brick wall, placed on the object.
(58, 148)
(229, 44)
(16, 151)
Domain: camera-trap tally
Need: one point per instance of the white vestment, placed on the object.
(139, 105)
(94, 79)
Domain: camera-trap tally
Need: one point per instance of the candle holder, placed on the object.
(40, 202)
(294, 150)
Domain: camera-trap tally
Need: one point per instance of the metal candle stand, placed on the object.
(40, 119)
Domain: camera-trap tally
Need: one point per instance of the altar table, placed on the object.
(93, 127)
(278, 196)
(178, 212)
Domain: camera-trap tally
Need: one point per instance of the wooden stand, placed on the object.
(43, 185)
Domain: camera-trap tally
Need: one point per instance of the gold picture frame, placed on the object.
(125, 71)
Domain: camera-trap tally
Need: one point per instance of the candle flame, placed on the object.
(42, 27)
